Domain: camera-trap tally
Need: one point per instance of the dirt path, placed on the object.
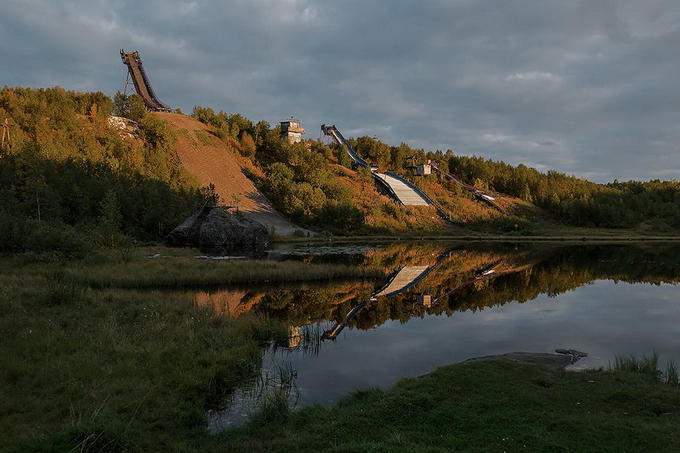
(212, 161)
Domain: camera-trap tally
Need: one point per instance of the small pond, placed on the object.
(445, 303)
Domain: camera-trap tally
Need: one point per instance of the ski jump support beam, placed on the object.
(141, 81)
(337, 136)
(478, 193)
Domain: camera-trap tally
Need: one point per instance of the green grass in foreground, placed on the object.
(87, 365)
(115, 370)
(483, 406)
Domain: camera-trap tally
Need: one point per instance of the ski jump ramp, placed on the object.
(141, 81)
(400, 189)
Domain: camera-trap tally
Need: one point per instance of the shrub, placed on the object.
(45, 237)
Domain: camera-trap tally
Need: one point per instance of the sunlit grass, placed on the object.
(126, 271)
(179, 273)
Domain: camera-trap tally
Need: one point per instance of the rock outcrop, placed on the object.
(215, 230)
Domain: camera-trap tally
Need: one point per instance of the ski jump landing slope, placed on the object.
(401, 189)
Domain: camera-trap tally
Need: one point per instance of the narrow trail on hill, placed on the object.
(212, 161)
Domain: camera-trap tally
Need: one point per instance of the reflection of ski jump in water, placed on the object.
(487, 272)
(404, 279)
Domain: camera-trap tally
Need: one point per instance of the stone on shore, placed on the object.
(217, 231)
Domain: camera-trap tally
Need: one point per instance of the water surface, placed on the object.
(607, 301)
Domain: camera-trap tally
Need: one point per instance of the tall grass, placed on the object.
(278, 393)
(644, 365)
(671, 374)
(114, 369)
(311, 339)
(647, 366)
(187, 273)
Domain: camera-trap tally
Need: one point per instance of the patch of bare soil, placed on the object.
(213, 161)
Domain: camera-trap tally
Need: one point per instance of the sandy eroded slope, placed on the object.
(212, 161)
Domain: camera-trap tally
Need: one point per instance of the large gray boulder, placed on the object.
(217, 231)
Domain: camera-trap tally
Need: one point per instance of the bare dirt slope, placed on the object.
(212, 161)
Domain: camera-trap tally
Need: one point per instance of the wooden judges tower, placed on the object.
(291, 130)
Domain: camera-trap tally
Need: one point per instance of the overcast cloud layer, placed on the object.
(584, 87)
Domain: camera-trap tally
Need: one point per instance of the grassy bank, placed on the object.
(535, 231)
(111, 370)
(88, 365)
(483, 406)
(157, 267)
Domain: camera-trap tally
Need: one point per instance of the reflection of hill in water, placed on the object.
(457, 283)
(298, 304)
(459, 272)
(523, 276)
(228, 302)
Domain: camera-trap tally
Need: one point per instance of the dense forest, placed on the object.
(69, 182)
(576, 201)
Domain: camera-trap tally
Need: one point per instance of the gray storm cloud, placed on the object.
(582, 87)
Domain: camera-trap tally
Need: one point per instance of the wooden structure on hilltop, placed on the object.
(291, 130)
(141, 82)
(5, 132)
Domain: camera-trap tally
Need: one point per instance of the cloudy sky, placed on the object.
(584, 87)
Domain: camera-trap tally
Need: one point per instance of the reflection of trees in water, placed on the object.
(404, 254)
(525, 275)
(521, 275)
(314, 305)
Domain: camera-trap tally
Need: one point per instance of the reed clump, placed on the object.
(647, 366)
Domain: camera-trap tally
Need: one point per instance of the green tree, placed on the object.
(129, 106)
(158, 133)
(110, 220)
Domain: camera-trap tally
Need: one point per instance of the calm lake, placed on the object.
(445, 303)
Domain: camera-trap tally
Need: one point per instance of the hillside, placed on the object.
(72, 178)
(71, 181)
(211, 160)
(314, 184)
